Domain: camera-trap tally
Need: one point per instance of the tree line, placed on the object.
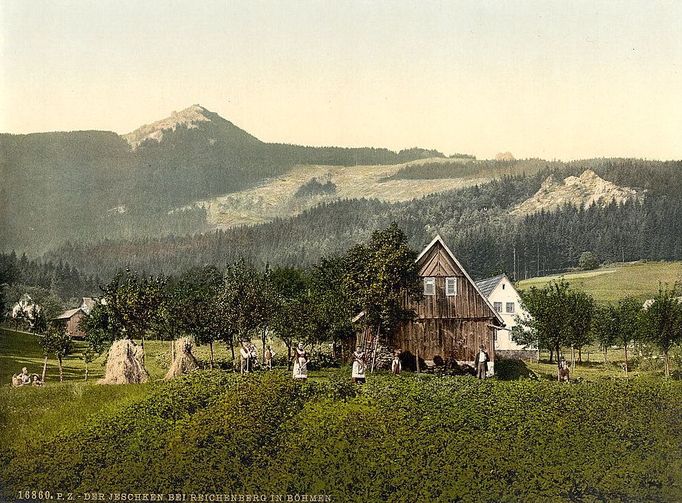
(297, 305)
(564, 318)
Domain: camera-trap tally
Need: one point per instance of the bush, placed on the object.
(588, 261)
(509, 369)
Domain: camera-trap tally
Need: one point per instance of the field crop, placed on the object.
(409, 438)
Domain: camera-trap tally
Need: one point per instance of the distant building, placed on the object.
(506, 301)
(72, 318)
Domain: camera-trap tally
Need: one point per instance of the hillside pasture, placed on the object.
(276, 198)
(613, 282)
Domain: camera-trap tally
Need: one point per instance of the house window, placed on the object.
(450, 286)
(510, 307)
(497, 306)
(429, 286)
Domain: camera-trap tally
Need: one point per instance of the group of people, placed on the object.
(26, 379)
(249, 357)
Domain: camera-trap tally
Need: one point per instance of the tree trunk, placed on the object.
(142, 344)
(580, 354)
(44, 369)
(551, 356)
(288, 357)
(172, 350)
(606, 350)
(626, 359)
(667, 364)
(417, 359)
(264, 337)
(572, 358)
(210, 346)
(232, 350)
(86, 371)
(61, 373)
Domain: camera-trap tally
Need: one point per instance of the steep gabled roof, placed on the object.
(487, 285)
(439, 239)
(68, 314)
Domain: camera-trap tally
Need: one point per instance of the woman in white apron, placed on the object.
(300, 363)
(359, 366)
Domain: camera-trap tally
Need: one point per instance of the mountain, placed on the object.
(194, 117)
(476, 222)
(85, 186)
(582, 191)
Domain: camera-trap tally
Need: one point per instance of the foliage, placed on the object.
(379, 275)
(58, 342)
(413, 438)
(131, 301)
(314, 187)
(662, 322)
(588, 261)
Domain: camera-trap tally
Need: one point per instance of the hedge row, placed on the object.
(395, 439)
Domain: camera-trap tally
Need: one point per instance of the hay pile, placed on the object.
(125, 364)
(184, 361)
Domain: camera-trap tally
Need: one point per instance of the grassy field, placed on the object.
(613, 282)
(21, 349)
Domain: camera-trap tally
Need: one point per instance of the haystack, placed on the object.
(125, 364)
(184, 361)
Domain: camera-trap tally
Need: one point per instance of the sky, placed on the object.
(549, 79)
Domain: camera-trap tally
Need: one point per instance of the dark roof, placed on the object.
(486, 286)
(68, 314)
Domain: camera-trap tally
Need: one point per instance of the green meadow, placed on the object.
(613, 282)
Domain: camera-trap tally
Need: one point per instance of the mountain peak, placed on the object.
(188, 118)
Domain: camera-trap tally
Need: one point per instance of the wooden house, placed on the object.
(453, 318)
(71, 320)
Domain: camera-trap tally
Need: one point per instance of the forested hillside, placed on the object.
(85, 186)
(475, 221)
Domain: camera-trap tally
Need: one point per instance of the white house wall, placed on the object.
(505, 293)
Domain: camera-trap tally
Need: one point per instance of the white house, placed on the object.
(506, 301)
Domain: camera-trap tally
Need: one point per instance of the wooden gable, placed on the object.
(437, 261)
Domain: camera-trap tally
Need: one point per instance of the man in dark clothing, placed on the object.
(481, 363)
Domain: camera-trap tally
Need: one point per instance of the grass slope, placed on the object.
(412, 438)
(613, 282)
(276, 198)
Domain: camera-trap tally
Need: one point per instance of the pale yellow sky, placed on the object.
(549, 79)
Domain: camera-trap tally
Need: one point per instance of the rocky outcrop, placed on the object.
(585, 190)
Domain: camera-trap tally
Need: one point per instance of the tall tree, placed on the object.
(662, 322)
(379, 276)
(606, 327)
(629, 316)
(580, 313)
(549, 308)
(58, 342)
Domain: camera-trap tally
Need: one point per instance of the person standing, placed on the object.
(359, 366)
(481, 363)
(300, 362)
(245, 353)
(269, 355)
(396, 364)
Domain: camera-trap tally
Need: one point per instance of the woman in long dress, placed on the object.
(300, 362)
(359, 366)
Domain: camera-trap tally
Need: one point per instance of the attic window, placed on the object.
(429, 286)
(450, 286)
